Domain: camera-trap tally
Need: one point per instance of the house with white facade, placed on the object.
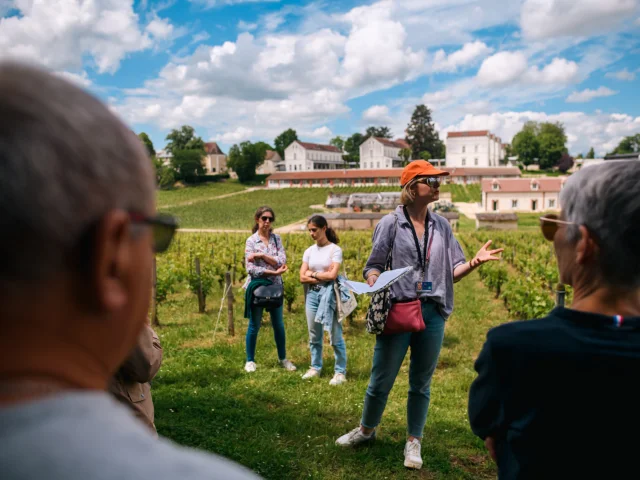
(214, 160)
(522, 194)
(309, 157)
(474, 149)
(377, 153)
(165, 157)
(272, 163)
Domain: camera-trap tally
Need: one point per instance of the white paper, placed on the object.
(384, 280)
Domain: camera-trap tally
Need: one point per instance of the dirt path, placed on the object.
(206, 199)
(467, 209)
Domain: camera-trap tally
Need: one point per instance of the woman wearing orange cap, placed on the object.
(421, 301)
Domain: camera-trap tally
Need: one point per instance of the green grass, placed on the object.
(197, 192)
(463, 193)
(283, 427)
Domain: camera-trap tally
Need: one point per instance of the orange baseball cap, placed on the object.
(419, 168)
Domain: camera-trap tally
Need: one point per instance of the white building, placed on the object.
(272, 163)
(165, 157)
(522, 194)
(474, 149)
(377, 153)
(214, 160)
(308, 157)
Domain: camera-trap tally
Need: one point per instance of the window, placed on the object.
(534, 205)
(514, 203)
(534, 186)
(475, 162)
(476, 148)
(464, 149)
(295, 156)
(213, 170)
(378, 165)
(295, 167)
(495, 205)
(495, 186)
(289, 167)
(464, 162)
(552, 203)
(371, 153)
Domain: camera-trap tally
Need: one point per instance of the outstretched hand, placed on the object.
(485, 255)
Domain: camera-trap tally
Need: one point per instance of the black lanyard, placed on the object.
(422, 257)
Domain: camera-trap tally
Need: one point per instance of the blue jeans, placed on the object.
(316, 336)
(388, 355)
(277, 323)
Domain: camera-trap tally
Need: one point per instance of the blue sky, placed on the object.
(247, 70)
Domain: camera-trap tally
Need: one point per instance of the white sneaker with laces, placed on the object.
(250, 367)
(354, 438)
(412, 457)
(338, 379)
(287, 365)
(312, 372)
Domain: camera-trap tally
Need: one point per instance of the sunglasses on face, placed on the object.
(549, 225)
(163, 227)
(432, 182)
(265, 218)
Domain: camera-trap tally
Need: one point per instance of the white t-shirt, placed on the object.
(320, 259)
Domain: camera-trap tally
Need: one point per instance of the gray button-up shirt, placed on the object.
(446, 255)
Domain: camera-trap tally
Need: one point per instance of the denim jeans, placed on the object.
(277, 323)
(316, 336)
(388, 355)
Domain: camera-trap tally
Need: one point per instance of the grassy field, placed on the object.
(284, 427)
(197, 192)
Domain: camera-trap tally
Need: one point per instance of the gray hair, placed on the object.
(65, 160)
(606, 199)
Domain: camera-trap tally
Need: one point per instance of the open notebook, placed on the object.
(384, 280)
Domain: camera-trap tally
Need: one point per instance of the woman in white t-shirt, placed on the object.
(320, 266)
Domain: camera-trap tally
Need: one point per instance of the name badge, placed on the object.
(422, 287)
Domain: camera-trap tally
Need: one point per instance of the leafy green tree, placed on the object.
(405, 154)
(184, 139)
(628, 145)
(352, 147)
(147, 143)
(245, 158)
(283, 140)
(425, 155)
(337, 142)
(187, 164)
(591, 154)
(422, 135)
(579, 156)
(552, 140)
(565, 163)
(380, 132)
(526, 145)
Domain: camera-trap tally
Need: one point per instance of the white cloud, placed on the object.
(588, 95)
(242, 25)
(81, 79)
(466, 56)
(222, 3)
(321, 132)
(624, 75)
(59, 33)
(505, 68)
(240, 134)
(555, 18)
(502, 68)
(160, 28)
(437, 99)
(601, 131)
(376, 113)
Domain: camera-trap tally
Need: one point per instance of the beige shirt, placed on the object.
(130, 385)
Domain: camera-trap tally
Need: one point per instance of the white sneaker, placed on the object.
(338, 379)
(250, 366)
(312, 372)
(354, 438)
(412, 457)
(287, 365)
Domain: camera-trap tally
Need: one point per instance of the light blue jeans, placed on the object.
(388, 356)
(316, 335)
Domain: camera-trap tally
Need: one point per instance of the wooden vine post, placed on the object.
(228, 287)
(201, 301)
(154, 304)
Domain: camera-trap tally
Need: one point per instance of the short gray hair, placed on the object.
(606, 199)
(65, 160)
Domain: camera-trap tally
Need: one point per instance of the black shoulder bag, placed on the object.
(269, 296)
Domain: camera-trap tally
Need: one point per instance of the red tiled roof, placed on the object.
(475, 133)
(388, 173)
(523, 185)
(392, 143)
(318, 147)
(270, 154)
(212, 148)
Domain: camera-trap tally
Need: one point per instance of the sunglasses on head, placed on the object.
(432, 182)
(266, 218)
(163, 227)
(549, 225)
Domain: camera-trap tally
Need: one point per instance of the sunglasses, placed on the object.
(163, 227)
(432, 182)
(264, 218)
(549, 225)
